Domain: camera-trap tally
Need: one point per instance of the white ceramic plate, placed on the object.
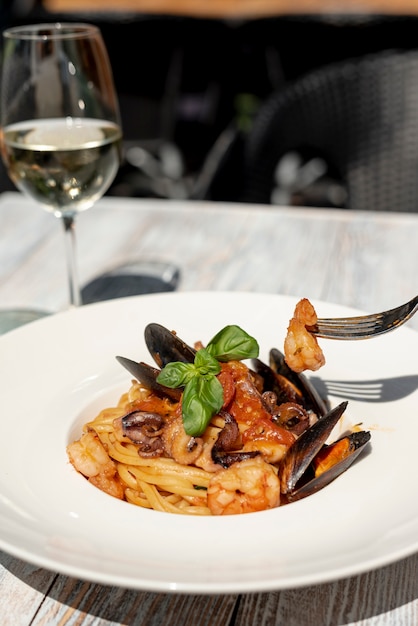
(58, 372)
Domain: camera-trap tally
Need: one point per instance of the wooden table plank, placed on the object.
(26, 587)
(384, 597)
(114, 605)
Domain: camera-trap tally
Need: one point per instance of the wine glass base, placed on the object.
(132, 279)
(13, 318)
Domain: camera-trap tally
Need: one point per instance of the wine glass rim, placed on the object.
(51, 30)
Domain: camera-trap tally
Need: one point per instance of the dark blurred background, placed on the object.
(190, 87)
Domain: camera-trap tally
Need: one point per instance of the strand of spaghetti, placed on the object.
(196, 510)
(156, 500)
(191, 506)
(193, 509)
(129, 396)
(135, 392)
(105, 419)
(174, 503)
(126, 476)
(133, 497)
(174, 498)
(174, 484)
(136, 498)
(193, 475)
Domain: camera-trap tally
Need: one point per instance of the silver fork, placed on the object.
(364, 326)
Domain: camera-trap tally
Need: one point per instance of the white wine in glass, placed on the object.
(61, 131)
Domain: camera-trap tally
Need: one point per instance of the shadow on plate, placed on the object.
(378, 390)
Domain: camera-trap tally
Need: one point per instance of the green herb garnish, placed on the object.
(203, 394)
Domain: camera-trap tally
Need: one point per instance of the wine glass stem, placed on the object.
(69, 229)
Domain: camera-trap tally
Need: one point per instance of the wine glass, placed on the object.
(61, 131)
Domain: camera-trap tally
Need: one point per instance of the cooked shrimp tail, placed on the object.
(247, 486)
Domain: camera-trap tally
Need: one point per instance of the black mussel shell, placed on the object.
(166, 347)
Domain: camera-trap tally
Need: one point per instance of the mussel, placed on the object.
(300, 472)
(164, 347)
(147, 375)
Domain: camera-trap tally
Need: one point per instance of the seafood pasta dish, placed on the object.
(212, 430)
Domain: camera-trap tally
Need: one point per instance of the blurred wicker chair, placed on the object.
(359, 115)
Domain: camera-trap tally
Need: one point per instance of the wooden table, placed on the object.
(366, 260)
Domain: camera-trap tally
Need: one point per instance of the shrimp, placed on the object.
(89, 457)
(246, 486)
(301, 348)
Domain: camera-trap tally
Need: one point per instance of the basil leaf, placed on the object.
(233, 344)
(203, 393)
(202, 399)
(205, 363)
(176, 374)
